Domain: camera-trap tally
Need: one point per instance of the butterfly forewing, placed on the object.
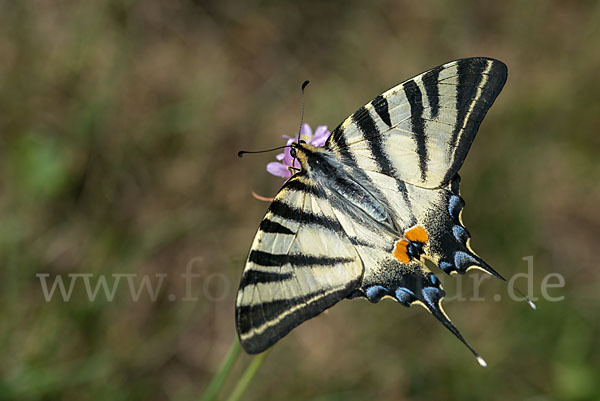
(301, 263)
(420, 131)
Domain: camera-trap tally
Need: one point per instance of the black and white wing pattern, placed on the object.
(410, 142)
(421, 130)
(301, 262)
(371, 208)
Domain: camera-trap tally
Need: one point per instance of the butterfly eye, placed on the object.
(293, 152)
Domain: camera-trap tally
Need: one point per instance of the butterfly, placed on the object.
(366, 211)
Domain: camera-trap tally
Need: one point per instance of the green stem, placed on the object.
(219, 378)
(246, 378)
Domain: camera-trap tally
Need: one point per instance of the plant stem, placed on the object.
(247, 377)
(219, 378)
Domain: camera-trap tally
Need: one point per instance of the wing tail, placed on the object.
(417, 285)
(450, 245)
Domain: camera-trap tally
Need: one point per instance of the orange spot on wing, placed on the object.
(399, 251)
(417, 234)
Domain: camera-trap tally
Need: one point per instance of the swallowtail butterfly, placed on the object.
(366, 210)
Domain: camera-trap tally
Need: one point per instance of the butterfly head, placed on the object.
(309, 156)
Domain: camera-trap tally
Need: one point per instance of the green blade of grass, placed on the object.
(246, 378)
(219, 378)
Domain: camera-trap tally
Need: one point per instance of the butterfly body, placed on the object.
(327, 174)
(366, 211)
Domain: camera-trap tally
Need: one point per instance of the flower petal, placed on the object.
(279, 169)
(321, 135)
(280, 156)
(306, 131)
(287, 158)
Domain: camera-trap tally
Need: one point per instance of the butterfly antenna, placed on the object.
(304, 84)
(243, 152)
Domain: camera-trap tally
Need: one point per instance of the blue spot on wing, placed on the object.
(376, 292)
(455, 204)
(432, 295)
(460, 234)
(405, 296)
(463, 260)
(446, 267)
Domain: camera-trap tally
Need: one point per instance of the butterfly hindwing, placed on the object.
(439, 212)
(409, 282)
(421, 130)
(300, 263)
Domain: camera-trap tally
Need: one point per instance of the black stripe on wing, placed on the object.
(472, 104)
(255, 316)
(301, 260)
(338, 139)
(257, 276)
(431, 84)
(415, 99)
(367, 126)
(381, 106)
(269, 226)
(300, 185)
(286, 211)
(468, 80)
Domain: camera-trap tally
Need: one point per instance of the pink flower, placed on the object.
(282, 167)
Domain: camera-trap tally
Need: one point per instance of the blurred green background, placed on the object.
(119, 127)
